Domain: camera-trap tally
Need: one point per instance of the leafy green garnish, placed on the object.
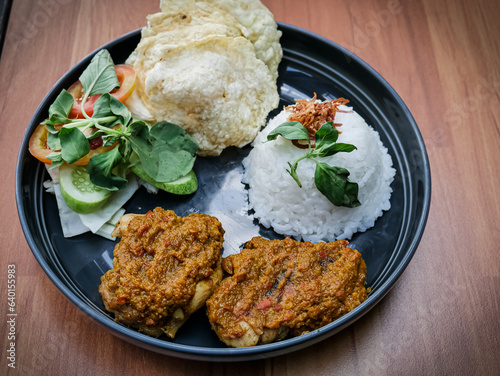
(291, 130)
(74, 144)
(59, 110)
(165, 150)
(100, 76)
(100, 170)
(331, 181)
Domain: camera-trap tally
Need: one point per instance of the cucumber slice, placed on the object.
(183, 186)
(77, 190)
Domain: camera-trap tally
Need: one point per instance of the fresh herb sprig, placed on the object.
(166, 152)
(331, 181)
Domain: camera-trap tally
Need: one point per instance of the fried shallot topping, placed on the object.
(313, 115)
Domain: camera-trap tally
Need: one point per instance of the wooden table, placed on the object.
(443, 315)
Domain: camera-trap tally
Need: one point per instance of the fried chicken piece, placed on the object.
(165, 267)
(285, 287)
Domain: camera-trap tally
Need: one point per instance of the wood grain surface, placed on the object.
(443, 315)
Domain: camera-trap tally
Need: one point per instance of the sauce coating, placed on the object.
(164, 268)
(285, 287)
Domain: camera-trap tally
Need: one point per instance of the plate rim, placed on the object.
(223, 353)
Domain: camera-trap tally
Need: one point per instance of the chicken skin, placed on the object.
(280, 288)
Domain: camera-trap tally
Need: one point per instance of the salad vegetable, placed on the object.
(88, 125)
(126, 81)
(78, 192)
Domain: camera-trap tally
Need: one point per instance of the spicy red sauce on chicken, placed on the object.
(164, 268)
(280, 288)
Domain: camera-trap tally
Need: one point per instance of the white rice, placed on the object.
(304, 213)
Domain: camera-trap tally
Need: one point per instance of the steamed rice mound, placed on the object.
(278, 201)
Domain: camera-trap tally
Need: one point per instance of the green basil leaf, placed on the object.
(166, 152)
(51, 129)
(102, 107)
(108, 106)
(56, 158)
(332, 149)
(325, 142)
(53, 141)
(59, 110)
(291, 130)
(108, 140)
(174, 136)
(74, 144)
(120, 110)
(100, 75)
(124, 146)
(100, 170)
(138, 129)
(326, 135)
(333, 183)
(176, 151)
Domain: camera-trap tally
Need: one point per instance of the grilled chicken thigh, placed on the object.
(285, 287)
(165, 267)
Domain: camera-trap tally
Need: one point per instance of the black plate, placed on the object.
(310, 64)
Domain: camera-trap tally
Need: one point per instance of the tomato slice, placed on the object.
(39, 149)
(126, 78)
(38, 144)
